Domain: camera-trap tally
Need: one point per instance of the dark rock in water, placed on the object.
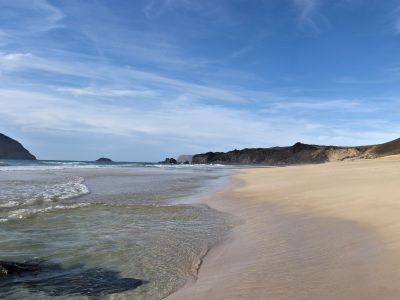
(8, 268)
(54, 280)
(104, 159)
(11, 149)
(169, 161)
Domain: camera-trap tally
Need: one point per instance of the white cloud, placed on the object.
(175, 121)
(107, 92)
(218, 127)
(14, 56)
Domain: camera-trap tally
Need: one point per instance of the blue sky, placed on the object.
(141, 80)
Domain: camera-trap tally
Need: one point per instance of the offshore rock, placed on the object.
(104, 159)
(169, 161)
(55, 280)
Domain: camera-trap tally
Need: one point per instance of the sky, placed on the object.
(145, 79)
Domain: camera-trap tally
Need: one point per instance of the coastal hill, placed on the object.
(11, 149)
(297, 154)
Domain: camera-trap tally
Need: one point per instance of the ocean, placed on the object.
(84, 230)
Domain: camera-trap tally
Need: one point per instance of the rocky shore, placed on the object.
(299, 153)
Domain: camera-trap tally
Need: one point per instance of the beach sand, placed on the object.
(328, 231)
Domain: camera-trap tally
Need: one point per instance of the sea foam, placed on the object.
(23, 200)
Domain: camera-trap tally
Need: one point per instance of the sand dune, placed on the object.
(328, 231)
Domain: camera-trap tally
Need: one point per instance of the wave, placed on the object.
(63, 191)
(42, 165)
(29, 212)
(30, 194)
(21, 200)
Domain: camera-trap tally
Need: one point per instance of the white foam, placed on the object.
(44, 167)
(29, 194)
(63, 191)
(28, 212)
(9, 204)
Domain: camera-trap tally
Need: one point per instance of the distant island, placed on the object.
(12, 149)
(104, 159)
(299, 153)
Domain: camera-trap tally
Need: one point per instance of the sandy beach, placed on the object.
(329, 231)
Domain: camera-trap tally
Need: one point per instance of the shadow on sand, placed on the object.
(55, 280)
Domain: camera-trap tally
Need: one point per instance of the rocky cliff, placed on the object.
(297, 154)
(11, 149)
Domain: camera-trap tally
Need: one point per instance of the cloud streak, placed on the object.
(220, 126)
(310, 16)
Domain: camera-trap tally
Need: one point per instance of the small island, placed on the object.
(104, 160)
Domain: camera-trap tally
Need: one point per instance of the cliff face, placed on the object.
(11, 149)
(297, 154)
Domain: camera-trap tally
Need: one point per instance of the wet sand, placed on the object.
(328, 231)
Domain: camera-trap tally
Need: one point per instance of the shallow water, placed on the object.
(90, 226)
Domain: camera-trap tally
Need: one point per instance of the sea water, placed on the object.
(81, 230)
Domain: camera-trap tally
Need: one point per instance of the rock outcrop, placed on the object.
(104, 160)
(55, 281)
(297, 154)
(169, 161)
(12, 149)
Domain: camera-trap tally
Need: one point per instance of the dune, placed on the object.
(329, 231)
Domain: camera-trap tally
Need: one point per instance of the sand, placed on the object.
(328, 231)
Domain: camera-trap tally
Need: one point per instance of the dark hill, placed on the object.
(11, 149)
(297, 154)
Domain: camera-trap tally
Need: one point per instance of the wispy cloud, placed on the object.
(310, 15)
(157, 7)
(241, 52)
(220, 126)
(14, 62)
(53, 13)
(216, 10)
(39, 15)
(171, 121)
(104, 92)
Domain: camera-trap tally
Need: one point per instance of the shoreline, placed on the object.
(308, 232)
